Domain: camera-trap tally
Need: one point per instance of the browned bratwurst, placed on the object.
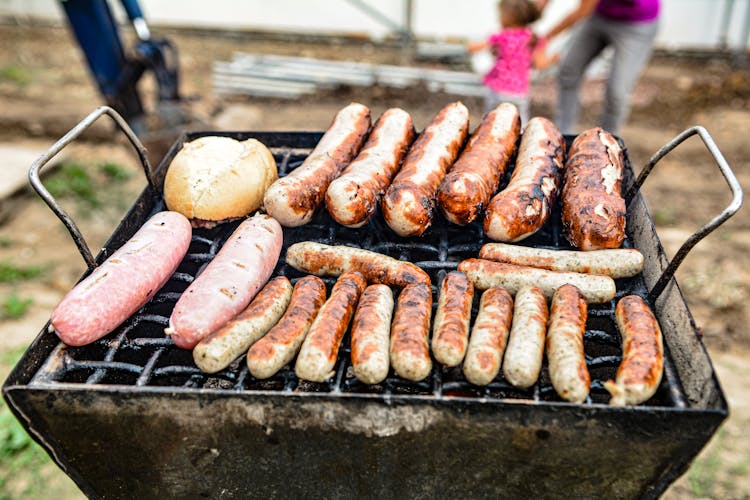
(269, 355)
(352, 198)
(292, 200)
(475, 177)
(593, 209)
(522, 208)
(450, 335)
(640, 371)
(371, 334)
(320, 348)
(326, 260)
(409, 203)
(410, 352)
(567, 362)
(489, 336)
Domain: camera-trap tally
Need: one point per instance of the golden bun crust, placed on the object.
(218, 178)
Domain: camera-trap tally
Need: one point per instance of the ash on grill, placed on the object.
(139, 354)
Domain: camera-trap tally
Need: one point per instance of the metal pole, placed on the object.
(726, 18)
(741, 51)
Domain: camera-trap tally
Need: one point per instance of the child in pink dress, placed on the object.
(516, 50)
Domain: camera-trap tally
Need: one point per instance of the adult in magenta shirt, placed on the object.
(630, 27)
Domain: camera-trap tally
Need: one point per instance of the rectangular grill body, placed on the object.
(131, 415)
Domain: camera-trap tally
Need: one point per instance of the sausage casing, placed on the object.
(325, 260)
(409, 204)
(371, 334)
(229, 282)
(410, 352)
(567, 362)
(489, 336)
(124, 282)
(525, 353)
(640, 371)
(269, 355)
(450, 335)
(474, 178)
(615, 263)
(593, 209)
(221, 347)
(486, 274)
(320, 348)
(522, 208)
(353, 197)
(292, 200)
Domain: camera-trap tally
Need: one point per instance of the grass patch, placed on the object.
(72, 180)
(114, 172)
(11, 273)
(87, 186)
(21, 459)
(14, 307)
(702, 475)
(15, 74)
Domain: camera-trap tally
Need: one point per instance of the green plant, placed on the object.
(702, 475)
(14, 307)
(114, 171)
(20, 457)
(10, 272)
(15, 74)
(72, 180)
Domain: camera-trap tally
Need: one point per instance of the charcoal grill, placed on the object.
(132, 416)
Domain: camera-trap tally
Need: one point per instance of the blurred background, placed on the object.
(290, 65)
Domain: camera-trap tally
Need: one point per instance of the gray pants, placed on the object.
(493, 99)
(632, 44)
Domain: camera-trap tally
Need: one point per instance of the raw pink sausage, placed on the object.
(229, 282)
(124, 282)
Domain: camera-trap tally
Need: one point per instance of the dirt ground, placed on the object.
(684, 192)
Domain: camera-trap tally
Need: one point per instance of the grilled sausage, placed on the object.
(615, 263)
(640, 372)
(320, 348)
(567, 362)
(450, 334)
(522, 208)
(525, 352)
(409, 203)
(229, 282)
(410, 353)
(269, 355)
(325, 260)
(220, 348)
(292, 200)
(486, 274)
(124, 282)
(352, 198)
(593, 209)
(371, 334)
(488, 337)
(474, 178)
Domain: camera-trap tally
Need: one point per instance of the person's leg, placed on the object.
(633, 43)
(491, 100)
(585, 45)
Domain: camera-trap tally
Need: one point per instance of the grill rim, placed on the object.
(18, 393)
(150, 201)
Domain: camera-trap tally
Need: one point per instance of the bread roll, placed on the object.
(213, 179)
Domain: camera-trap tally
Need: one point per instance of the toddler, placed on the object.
(516, 51)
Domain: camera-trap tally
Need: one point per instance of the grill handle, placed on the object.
(732, 208)
(40, 162)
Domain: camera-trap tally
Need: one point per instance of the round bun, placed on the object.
(213, 179)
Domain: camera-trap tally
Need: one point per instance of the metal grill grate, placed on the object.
(139, 354)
